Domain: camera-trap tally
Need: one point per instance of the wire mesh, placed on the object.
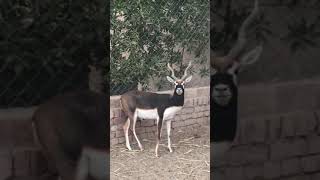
(46, 47)
(118, 85)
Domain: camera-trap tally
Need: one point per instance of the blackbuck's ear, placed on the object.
(170, 79)
(188, 79)
(251, 57)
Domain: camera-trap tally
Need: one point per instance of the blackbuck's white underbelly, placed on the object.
(94, 163)
(147, 113)
(169, 113)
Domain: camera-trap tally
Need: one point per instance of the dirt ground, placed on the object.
(190, 158)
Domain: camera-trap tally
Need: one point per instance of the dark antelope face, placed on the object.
(179, 83)
(224, 69)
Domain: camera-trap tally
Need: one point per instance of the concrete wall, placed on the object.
(278, 134)
(194, 113)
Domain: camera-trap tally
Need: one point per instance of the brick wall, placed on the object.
(279, 134)
(19, 153)
(196, 111)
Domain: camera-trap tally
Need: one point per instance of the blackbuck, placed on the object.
(224, 88)
(159, 107)
(73, 131)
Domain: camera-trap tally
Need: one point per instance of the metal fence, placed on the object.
(143, 29)
(46, 47)
(32, 87)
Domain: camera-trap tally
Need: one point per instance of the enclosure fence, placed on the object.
(201, 20)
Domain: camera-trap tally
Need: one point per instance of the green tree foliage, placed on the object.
(283, 25)
(302, 32)
(147, 34)
(45, 46)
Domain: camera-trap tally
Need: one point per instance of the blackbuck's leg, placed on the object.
(159, 126)
(168, 132)
(134, 130)
(83, 167)
(66, 167)
(126, 127)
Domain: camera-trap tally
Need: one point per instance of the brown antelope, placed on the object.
(73, 132)
(148, 105)
(224, 86)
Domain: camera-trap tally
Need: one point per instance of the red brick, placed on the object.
(185, 116)
(187, 110)
(23, 134)
(254, 130)
(254, 171)
(206, 113)
(218, 175)
(247, 154)
(288, 148)
(272, 169)
(119, 134)
(143, 136)
(148, 123)
(203, 92)
(114, 102)
(317, 118)
(293, 97)
(177, 118)
(118, 120)
(121, 140)
(189, 122)
(256, 100)
(114, 141)
(141, 130)
(5, 165)
(116, 112)
(313, 142)
(297, 177)
(191, 93)
(21, 160)
(287, 127)
(274, 130)
(197, 109)
(112, 135)
(6, 133)
(114, 128)
(291, 167)
(151, 129)
(311, 163)
(233, 173)
(151, 135)
(305, 123)
(38, 163)
(188, 103)
(315, 176)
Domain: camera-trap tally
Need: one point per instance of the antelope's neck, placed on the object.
(177, 100)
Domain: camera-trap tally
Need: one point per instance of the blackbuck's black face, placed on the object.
(224, 75)
(224, 69)
(222, 88)
(179, 83)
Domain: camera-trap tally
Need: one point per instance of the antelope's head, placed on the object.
(224, 69)
(179, 83)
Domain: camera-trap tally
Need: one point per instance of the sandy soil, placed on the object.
(190, 158)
